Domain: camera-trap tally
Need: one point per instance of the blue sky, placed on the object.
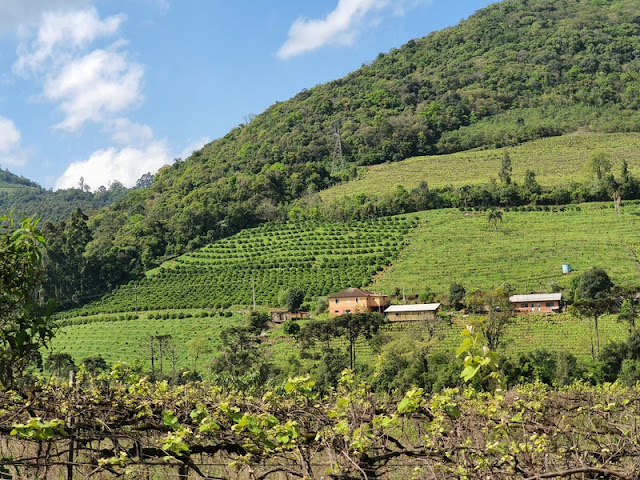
(109, 90)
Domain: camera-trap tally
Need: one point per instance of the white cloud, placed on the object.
(11, 153)
(191, 147)
(340, 27)
(60, 34)
(85, 84)
(14, 13)
(93, 87)
(125, 165)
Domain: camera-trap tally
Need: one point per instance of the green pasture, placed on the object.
(527, 333)
(527, 251)
(127, 340)
(319, 258)
(556, 161)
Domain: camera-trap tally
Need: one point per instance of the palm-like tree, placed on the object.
(493, 217)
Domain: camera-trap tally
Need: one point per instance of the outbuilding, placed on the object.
(412, 313)
(538, 302)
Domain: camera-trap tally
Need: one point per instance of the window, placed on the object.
(357, 300)
(549, 304)
(337, 300)
(524, 305)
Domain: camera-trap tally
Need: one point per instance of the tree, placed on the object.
(291, 328)
(456, 294)
(530, 185)
(598, 165)
(24, 326)
(500, 316)
(493, 217)
(475, 300)
(593, 299)
(240, 360)
(95, 365)
(291, 299)
(505, 169)
(258, 321)
(323, 304)
(145, 180)
(60, 364)
(348, 325)
(198, 346)
(628, 313)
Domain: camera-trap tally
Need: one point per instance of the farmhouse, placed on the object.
(354, 300)
(412, 313)
(537, 302)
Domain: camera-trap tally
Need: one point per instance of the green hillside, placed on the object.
(515, 71)
(421, 252)
(527, 251)
(317, 257)
(557, 161)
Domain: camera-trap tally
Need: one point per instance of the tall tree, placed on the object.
(593, 299)
(599, 164)
(530, 185)
(505, 169)
(24, 327)
(493, 217)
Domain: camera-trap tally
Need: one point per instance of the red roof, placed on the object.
(355, 292)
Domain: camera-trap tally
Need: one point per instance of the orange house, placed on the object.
(354, 300)
(537, 302)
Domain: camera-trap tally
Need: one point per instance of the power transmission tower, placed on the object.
(337, 160)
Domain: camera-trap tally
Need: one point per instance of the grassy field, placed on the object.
(527, 251)
(126, 340)
(555, 160)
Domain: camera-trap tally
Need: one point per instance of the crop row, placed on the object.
(317, 257)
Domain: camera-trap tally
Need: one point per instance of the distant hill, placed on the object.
(26, 197)
(9, 181)
(515, 71)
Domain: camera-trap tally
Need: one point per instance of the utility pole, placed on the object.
(253, 288)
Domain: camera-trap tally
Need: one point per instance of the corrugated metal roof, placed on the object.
(420, 307)
(355, 292)
(536, 297)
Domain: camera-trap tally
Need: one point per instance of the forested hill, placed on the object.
(514, 71)
(28, 198)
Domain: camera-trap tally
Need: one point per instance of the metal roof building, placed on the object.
(536, 297)
(412, 313)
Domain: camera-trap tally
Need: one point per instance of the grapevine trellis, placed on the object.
(317, 257)
(123, 425)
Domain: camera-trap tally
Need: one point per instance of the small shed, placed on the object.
(538, 302)
(412, 313)
(282, 316)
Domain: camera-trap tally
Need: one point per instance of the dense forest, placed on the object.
(515, 71)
